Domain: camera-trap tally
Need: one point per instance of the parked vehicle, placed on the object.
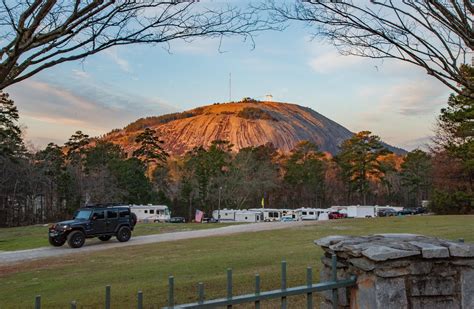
(337, 215)
(387, 212)
(420, 210)
(360, 211)
(238, 215)
(406, 211)
(287, 219)
(269, 214)
(151, 213)
(309, 213)
(100, 221)
(177, 220)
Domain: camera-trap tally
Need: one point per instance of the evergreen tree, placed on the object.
(358, 160)
(134, 187)
(11, 142)
(416, 176)
(454, 155)
(76, 147)
(305, 174)
(207, 165)
(150, 148)
(457, 120)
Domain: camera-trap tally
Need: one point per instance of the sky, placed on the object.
(397, 101)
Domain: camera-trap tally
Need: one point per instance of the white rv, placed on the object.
(269, 214)
(310, 213)
(237, 215)
(248, 216)
(225, 214)
(151, 213)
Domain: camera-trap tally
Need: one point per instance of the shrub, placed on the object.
(255, 113)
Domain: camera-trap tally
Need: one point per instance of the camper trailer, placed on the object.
(237, 215)
(269, 214)
(151, 213)
(224, 214)
(310, 213)
(248, 216)
(360, 211)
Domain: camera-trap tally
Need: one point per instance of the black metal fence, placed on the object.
(257, 297)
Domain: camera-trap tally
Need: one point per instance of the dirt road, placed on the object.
(12, 257)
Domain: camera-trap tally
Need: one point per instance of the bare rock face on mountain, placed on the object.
(244, 124)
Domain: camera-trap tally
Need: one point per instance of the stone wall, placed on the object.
(400, 271)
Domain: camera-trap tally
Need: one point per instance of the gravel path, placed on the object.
(12, 257)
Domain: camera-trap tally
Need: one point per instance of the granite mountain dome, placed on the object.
(246, 123)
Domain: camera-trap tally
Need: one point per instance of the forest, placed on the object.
(50, 184)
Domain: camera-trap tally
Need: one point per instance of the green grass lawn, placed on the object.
(82, 277)
(29, 237)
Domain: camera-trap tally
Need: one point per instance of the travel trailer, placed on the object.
(310, 213)
(151, 213)
(361, 211)
(269, 214)
(248, 216)
(238, 215)
(225, 214)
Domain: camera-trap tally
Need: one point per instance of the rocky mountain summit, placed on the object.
(246, 123)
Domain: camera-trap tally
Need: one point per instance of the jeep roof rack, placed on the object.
(104, 205)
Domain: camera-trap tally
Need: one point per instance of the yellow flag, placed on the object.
(263, 202)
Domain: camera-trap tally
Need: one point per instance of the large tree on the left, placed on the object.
(39, 34)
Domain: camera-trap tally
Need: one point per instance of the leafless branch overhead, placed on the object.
(436, 35)
(38, 34)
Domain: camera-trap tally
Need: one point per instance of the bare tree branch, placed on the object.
(36, 35)
(436, 35)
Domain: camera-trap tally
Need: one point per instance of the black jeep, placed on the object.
(94, 221)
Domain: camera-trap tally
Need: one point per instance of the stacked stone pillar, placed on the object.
(400, 271)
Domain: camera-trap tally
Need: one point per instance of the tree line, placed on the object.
(51, 183)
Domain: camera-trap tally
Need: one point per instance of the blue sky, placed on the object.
(394, 100)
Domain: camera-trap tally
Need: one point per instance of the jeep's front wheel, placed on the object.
(76, 239)
(124, 234)
(56, 242)
(105, 237)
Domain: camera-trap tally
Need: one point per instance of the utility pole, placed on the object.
(230, 87)
(219, 207)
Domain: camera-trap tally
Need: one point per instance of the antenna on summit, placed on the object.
(230, 87)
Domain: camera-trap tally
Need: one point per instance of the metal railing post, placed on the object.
(257, 290)
(140, 300)
(229, 286)
(38, 302)
(201, 292)
(283, 284)
(171, 291)
(107, 297)
(335, 300)
(309, 283)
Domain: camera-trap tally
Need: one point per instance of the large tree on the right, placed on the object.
(436, 35)
(454, 159)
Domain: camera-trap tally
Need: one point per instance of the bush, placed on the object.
(456, 202)
(255, 113)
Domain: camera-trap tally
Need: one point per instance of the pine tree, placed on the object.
(150, 149)
(305, 174)
(11, 142)
(358, 160)
(415, 176)
(76, 146)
